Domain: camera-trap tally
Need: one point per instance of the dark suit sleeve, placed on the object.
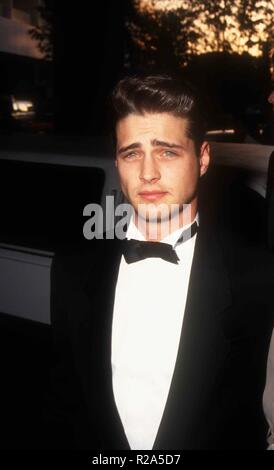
(63, 401)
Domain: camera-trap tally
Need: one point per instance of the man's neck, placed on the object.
(157, 231)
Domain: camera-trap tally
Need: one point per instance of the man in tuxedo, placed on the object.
(160, 337)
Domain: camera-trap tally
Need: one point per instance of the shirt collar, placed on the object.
(133, 232)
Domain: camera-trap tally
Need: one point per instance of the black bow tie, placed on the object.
(137, 250)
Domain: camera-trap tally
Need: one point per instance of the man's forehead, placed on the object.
(160, 125)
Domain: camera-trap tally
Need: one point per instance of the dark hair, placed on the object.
(160, 94)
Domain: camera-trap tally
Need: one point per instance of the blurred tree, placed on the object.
(235, 26)
(159, 39)
(172, 32)
(43, 31)
(88, 60)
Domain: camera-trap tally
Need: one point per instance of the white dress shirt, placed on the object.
(148, 314)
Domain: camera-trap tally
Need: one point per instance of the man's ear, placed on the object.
(115, 162)
(204, 158)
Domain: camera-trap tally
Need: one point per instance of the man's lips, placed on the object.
(152, 195)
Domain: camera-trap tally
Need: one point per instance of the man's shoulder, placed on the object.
(250, 268)
(240, 250)
(247, 262)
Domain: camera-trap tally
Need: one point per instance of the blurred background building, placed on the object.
(25, 79)
(63, 60)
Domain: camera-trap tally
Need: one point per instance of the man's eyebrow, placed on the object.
(135, 145)
(161, 143)
(154, 143)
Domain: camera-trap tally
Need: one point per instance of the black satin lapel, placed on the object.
(100, 288)
(202, 349)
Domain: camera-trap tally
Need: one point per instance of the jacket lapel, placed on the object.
(201, 351)
(100, 288)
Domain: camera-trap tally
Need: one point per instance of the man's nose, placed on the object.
(149, 171)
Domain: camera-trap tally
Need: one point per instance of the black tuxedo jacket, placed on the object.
(215, 398)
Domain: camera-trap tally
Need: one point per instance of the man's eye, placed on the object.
(130, 156)
(170, 153)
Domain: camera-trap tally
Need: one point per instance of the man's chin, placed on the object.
(155, 213)
(163, 212)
